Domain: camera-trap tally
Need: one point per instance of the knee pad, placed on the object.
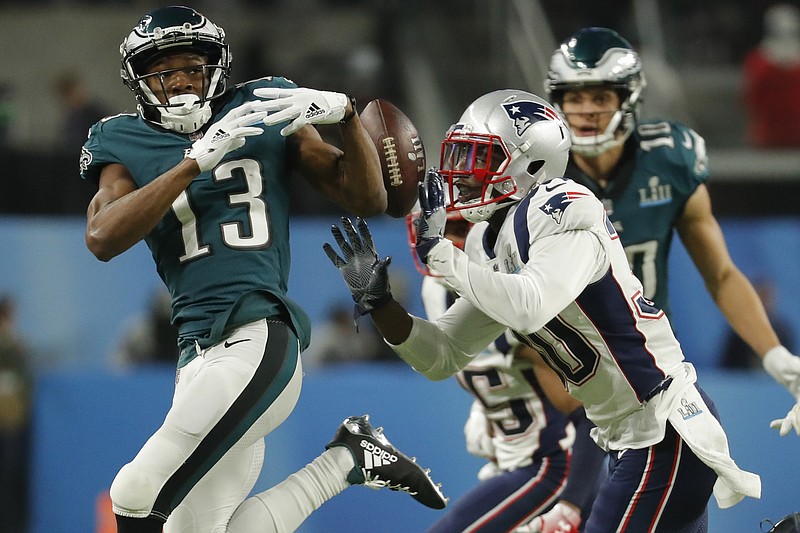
(132, 493)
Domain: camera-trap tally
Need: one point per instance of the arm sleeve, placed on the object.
(561, 266)
(440, 349)
(434, 297)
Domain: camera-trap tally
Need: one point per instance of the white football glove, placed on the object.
(785, 368)
(225, 135)
(560, 519)
(476, 432)
(302, 106)
(789, 422)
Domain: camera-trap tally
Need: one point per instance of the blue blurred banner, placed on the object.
(73, 308)
(88, 424)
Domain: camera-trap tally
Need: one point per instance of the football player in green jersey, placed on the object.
(201, 174)
(651, 177)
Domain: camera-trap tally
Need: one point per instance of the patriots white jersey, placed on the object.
(559, 278)
(557, 274)
(524, 422)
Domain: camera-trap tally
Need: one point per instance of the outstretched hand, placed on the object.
(788, 423)
(302, 106)
(431, 222)
(785, 368)
(365, 274)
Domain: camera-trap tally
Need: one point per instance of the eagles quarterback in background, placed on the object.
(201, 174)
(650, 176)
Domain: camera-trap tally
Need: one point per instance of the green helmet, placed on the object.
(168, 30)
(598, 56)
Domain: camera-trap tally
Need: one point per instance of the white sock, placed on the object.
(285, 506)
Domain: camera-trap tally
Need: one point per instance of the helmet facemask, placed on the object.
(484, 157)
(170, 31)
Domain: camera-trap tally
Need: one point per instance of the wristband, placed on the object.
(348, 118)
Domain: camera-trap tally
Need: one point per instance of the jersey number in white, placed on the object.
(232, 232)
(642, 259)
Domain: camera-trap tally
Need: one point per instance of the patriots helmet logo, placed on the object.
(558, 203)
(525, 114)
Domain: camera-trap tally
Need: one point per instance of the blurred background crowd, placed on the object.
(430, 58)
(730, 69)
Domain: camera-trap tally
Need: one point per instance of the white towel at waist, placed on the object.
(692, 419)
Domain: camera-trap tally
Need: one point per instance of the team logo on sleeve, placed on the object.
(85, 159)
(558, 203)
(525, 114)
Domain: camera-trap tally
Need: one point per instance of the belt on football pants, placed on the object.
(664, 385)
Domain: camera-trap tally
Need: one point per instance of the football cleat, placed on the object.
(380, 465)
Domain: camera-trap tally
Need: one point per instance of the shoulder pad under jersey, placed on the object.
(560, 205)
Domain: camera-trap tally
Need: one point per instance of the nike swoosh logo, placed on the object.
(231, 343)
(554, 187)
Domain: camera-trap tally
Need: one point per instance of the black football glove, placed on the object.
(364, 273)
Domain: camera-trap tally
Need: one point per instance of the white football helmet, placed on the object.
(598, 56)
(509, 140)
(169, 30)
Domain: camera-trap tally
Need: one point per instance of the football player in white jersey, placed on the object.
(556, 274)
(519, 421)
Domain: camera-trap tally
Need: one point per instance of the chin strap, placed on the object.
(186, 114)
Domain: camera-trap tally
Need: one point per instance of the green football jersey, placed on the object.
(223, 248)
(663, 163)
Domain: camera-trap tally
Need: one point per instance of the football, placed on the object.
(401, 153)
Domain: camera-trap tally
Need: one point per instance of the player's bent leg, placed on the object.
(133, 492)
(669, 484)
(220, 398)
(210, 504)
(503, 502)
(285, 506)
(358, 454)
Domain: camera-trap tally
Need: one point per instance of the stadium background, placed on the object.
(432, 59)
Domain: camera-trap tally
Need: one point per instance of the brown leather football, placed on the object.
(401, 153)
